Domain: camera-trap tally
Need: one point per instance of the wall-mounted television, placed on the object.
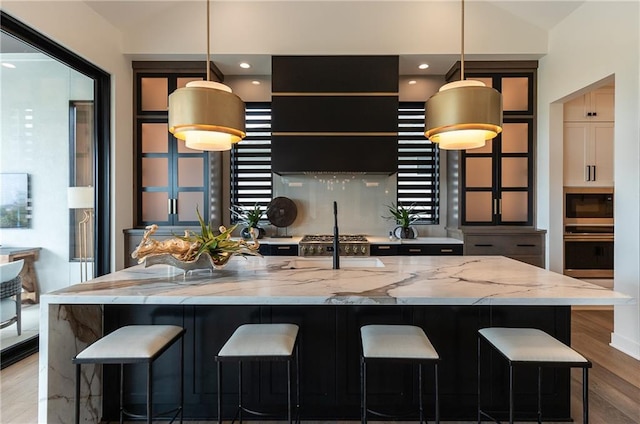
(15, 208)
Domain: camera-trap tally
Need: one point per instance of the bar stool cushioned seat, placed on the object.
(530, 346)
(260, 342)
(129, 345)
(403, 343)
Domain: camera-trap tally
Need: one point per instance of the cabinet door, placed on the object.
(602, 105)
(595, 106)
(499, 178)
(172, 180)
(576, 141)
(588, 154)
(496, 181)
(602, 153)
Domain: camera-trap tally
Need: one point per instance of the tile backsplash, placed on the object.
(361, 202)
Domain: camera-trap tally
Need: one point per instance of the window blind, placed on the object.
(251, 160)
(418, 165)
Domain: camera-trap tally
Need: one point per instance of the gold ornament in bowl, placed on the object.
(194, 251)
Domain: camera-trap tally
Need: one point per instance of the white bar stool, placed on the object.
(397, 343)
(134, 344)
(261, 342)
(532, 347)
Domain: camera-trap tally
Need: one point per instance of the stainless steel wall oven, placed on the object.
(588, 232)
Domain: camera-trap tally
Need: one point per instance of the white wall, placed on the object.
(597, 43)
(35, 140)
(78, 28)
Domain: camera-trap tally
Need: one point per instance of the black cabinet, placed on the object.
(384, 249)
(430, 249)
(279, 249)
(170, 180)
(329, 357)
(496, 182)
(416, 249)
(328, 110)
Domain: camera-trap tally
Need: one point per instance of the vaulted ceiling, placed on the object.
(417, 30)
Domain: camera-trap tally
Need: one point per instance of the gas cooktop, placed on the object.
(322, 245)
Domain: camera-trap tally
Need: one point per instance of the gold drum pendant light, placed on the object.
(463, 114)
(206, 114)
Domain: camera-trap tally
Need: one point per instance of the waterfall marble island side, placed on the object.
(411, 289)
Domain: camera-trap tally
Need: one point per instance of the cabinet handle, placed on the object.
(495, 206)
(499, 206)
(526, 245)
(384, 247)
(284, 248)
(483, 245)
(415, 250)
(169, 206)
(594, 173)
(587, 173)
(446, 250)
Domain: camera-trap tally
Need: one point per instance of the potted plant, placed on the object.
(251, 218)
(403, 216)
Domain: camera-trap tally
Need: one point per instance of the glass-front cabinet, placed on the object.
(171, 179)
(497, 178)
(496, 184)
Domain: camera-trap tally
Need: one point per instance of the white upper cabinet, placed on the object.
(588, 139)
(596, 106)
(588, 154)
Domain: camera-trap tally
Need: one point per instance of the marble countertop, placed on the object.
(288, 280)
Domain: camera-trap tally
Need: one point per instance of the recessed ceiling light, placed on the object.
(411, 82)
(423, 66)
(9, 65)
(245, 65)
(255, 82)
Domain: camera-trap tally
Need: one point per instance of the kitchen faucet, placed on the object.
(336, 245)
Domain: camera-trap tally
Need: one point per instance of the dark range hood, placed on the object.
(334, 114)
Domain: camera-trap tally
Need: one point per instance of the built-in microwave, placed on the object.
(588, 205)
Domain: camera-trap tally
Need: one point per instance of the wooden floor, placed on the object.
(614, 386)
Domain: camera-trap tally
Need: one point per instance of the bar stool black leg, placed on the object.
(539, 395)
(121, 393)
(510, 394)
(297, 384)
(219, 392)
(149, 393)
(585, 395)
(181, 379)
(437, 393)
(420, 402)
(240, 392)
(77, 394)
(479, 385)
(363, 382)
(289, 389)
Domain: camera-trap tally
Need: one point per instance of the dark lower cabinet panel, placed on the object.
(329, 352)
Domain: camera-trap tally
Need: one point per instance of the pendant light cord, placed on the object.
(208, 42)
(462, 45)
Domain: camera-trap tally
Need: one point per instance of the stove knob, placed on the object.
(346, 249)
(311, 250)
(320, 249)
(303, 250)
(363, 249)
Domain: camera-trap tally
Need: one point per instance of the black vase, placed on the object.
(405, 232)
(246, 234)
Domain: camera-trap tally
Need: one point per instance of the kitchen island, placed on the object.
(450, 297)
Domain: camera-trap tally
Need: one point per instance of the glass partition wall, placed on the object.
(54, 175)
